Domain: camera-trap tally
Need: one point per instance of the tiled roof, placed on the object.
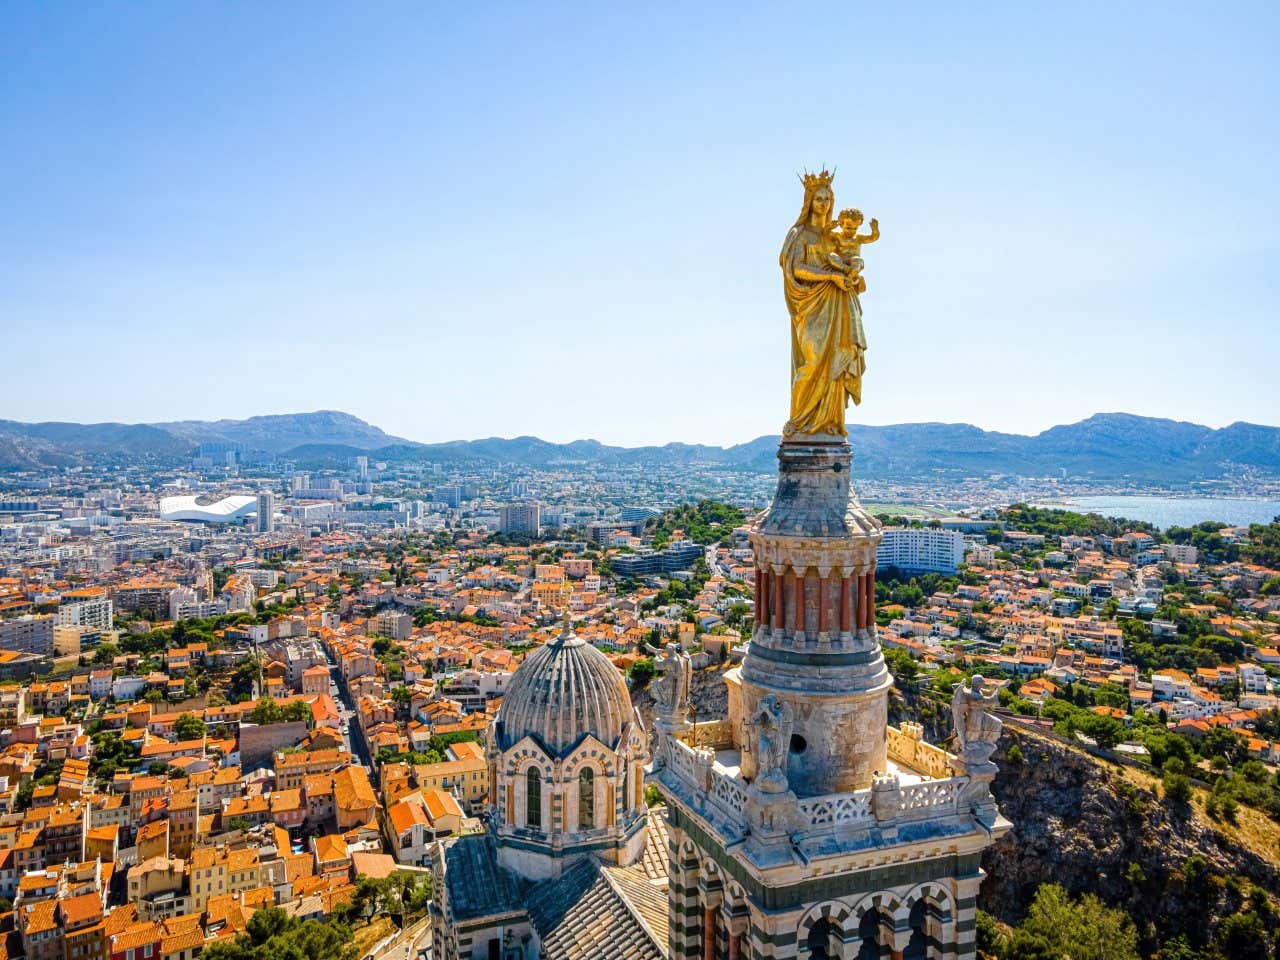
(477, 886)
(582, 915)
(646, 900)
(655, 858)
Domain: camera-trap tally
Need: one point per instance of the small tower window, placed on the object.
(586, 800)
(533, 798)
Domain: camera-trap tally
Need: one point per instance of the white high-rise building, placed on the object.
(921, 549)
(266, 522)
(362, 468)
(95, 613)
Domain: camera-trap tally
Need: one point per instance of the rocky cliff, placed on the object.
(1102, 828)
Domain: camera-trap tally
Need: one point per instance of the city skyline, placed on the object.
(461, 226)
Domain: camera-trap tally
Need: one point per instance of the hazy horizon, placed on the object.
(611, 443)
(565, 223)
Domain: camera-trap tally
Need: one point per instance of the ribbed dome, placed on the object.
(563, 691)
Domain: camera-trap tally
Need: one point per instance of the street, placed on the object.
(352, 742)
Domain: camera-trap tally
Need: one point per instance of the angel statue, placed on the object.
(977, 729)
(772, 727)
(671, 689)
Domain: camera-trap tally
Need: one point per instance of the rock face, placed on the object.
(1079, 822)
(709, 695)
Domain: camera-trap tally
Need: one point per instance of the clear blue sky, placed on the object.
(565, 221)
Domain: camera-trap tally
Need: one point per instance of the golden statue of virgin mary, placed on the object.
(821, 282)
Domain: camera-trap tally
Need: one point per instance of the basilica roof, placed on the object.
(564, 691)
(585, 915)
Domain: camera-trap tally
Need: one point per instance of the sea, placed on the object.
(1167, 512)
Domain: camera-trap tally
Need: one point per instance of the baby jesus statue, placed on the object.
(849, 246)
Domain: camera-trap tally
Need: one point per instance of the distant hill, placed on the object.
(282, 432)
(1105, 447)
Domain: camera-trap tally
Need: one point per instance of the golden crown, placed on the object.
(812, 181)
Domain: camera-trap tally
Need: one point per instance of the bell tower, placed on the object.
(813, 646)
(802, 825)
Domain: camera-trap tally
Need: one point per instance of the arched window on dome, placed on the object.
(586, 799)
(533, 798)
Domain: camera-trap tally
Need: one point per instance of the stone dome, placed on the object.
(563, 691)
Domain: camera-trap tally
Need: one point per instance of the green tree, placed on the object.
(265, 711)
(189, 727)
(1177, 788)
(273, 935)
(641, 673)
(1243, 936)
(1058, 926)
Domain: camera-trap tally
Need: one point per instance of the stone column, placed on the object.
(846, 605)
(778, 606)
(965, 946)
(824, 607)
(795, 603)
(759, 594)
(682, 901)
(709, 932)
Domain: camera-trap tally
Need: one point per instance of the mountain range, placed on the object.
(1107, 446)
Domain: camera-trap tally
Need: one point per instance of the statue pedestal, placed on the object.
(771, 817)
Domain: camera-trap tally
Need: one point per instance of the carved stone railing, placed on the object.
(929, 800)
(716, 734)
(729, 794)
(721, 796)
(908, 746)
(837, 810)
(726, 800)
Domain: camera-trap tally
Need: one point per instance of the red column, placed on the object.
(708, 933)
(846, 605)
(802, 602)
(777, 608)
(735, 946)
(824, 607)
(758, 594)
(795, 617)
(862, 601)
(871, 600)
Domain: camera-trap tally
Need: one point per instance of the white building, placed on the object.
(1181, 552)
(95, 614)
(263, 578)
(911, 548)
(232, 509)
(1253, 679)
(266, 519)
(127, 687)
